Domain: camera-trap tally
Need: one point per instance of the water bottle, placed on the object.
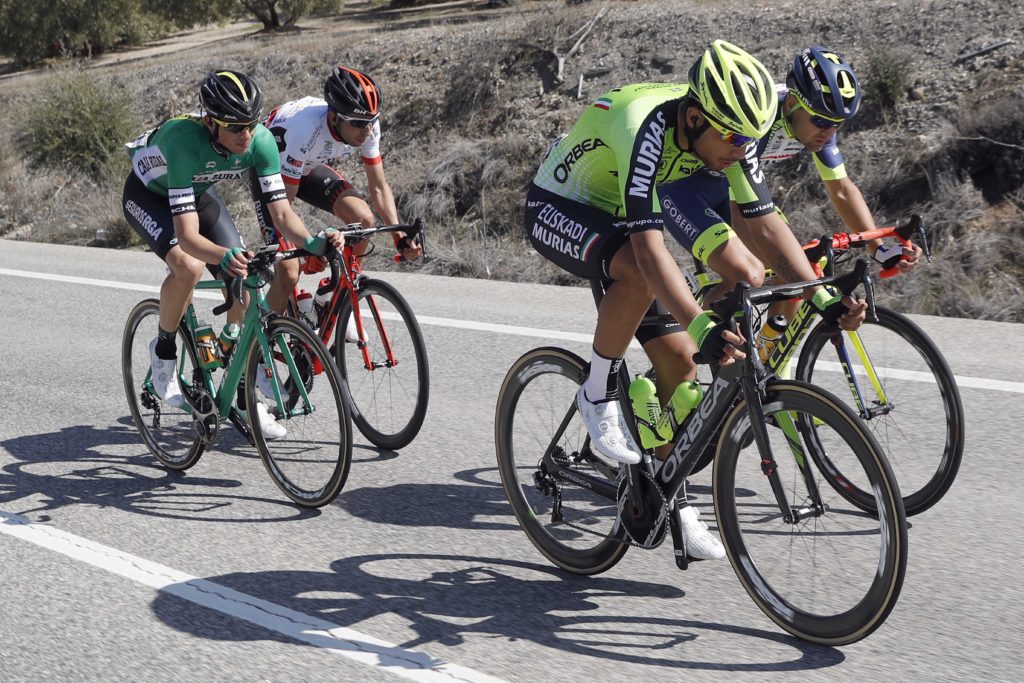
(769, 335)
(644, 398)
(228, 338)
(304, 301)
(320, 301)
(206, 346)
(684, 399)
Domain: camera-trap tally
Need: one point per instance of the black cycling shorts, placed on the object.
(321, 188)
(583, 240)
(149, 214)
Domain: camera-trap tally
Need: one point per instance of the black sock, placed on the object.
(166, 347)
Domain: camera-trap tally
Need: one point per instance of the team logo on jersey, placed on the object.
(211, 164)
(557, 231)
(646, 157)
(561, 172)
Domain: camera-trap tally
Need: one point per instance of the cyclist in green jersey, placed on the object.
(597, 208)
(170, 201)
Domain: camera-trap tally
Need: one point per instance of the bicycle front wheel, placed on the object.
(572, 526)
(167, 432)
(311, 460)
(907, 397)
(386, 375)
(818, 566)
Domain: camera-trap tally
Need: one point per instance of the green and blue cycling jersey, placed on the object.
(180, 161)
(623, 157)
(780, 144)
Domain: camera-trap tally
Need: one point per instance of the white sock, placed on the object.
(602, 382)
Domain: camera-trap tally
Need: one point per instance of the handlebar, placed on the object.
(845, 241)
(260, 263)
(743, 296)
(355, 232)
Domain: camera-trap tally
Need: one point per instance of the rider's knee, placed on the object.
(185, 267)
(287, 273)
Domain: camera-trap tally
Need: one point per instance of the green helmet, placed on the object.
(734, 89)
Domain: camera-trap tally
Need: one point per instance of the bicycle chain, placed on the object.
(628, 540)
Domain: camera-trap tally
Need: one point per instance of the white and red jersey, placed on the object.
(305, 140)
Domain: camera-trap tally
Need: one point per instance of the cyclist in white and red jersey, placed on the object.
(170, 201)
(312, 134)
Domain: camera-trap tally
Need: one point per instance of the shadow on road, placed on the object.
(111, 468)
(452, 599)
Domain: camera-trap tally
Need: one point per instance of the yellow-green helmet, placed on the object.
(734, 89)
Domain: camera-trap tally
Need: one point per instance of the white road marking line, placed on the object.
(962, 381)
(349, 643)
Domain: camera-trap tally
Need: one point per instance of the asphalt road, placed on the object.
(112, 568)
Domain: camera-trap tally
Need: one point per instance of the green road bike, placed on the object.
(311, 462)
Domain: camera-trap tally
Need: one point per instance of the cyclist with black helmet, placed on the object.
(311, 134)
(170, 201)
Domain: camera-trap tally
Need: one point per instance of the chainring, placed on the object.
(646, 525)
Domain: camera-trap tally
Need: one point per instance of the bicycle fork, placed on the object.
(791, 514)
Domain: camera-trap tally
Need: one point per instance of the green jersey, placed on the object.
(178, 160)
(625, 146)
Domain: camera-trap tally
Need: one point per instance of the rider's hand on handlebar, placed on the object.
(235, 262)
(717, 343)
(318, 245)
(847, 313)
(408, 247)
(910, 256)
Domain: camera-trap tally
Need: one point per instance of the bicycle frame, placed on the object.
(348, 285)
(252, 332)
(821, 253)
(747, 378)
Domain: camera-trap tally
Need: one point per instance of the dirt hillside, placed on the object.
(473, 95)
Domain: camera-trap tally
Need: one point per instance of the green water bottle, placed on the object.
(644, 397)
(227, 339)
(684, 399)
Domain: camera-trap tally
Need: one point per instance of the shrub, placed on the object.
(77, 123)
(888, 77)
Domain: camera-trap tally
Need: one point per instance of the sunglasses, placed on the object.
(734, 139)
(237, 128)
(358, 123)
(819, 121)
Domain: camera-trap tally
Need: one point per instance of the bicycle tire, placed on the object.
(321, 436)
(176, 445)
(861, 558)
(924, 452)
(387, 406)
(523, 430)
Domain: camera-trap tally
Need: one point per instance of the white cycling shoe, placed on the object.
(265, 382)
(609, 435)
(165, 378)
(271, 428)
(699, 542)
(351, 331)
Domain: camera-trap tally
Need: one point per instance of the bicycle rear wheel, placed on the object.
(167, 432)
(834, 574)
(572, 526)
(915, 409)
(389, 394)
(310, 463)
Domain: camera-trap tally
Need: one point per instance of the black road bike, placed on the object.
(815, 562)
